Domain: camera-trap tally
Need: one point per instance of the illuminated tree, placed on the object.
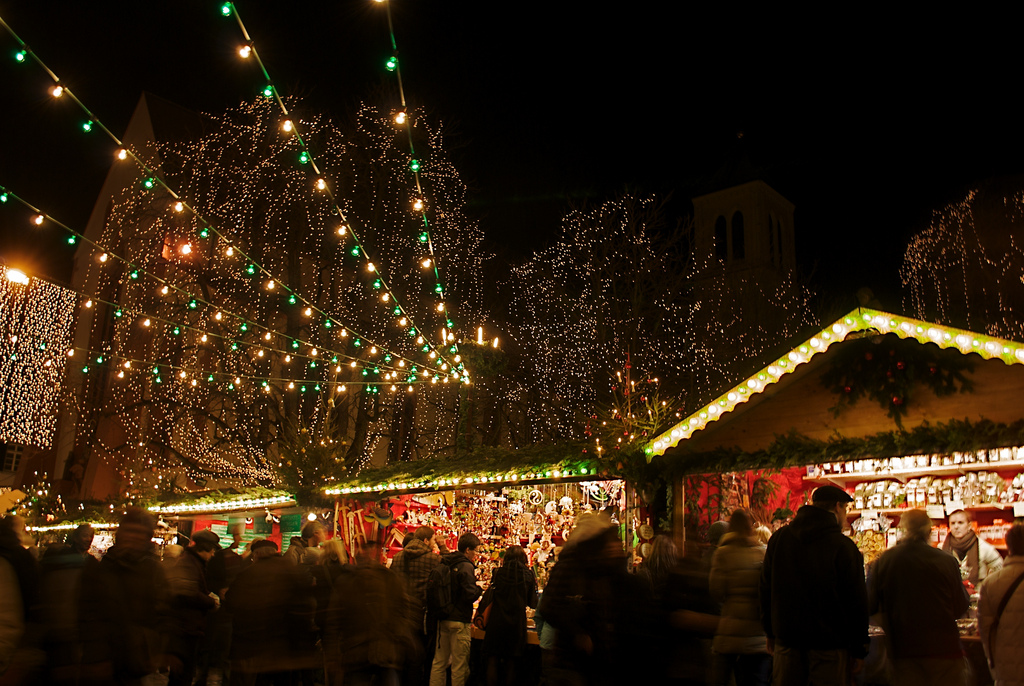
(967, 267)
(624, 290)
(217, 348)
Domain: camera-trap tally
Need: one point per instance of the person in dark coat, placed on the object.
(413, 565)
(513, 588)
(814, 597)
(121, 607)
(368, 629)
(191, 601)
(918, 590)
(271, 609)
(598, 609)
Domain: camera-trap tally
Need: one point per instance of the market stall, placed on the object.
(529, 502)
(898, 412)
(250, 513)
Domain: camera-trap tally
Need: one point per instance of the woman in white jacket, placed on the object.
(740, 646)
(1003, 647)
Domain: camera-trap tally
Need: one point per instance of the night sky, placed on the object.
(866, 123)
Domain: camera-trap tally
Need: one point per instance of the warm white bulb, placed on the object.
(38, 219)
(417, 204)
(308, 311)
(270, 285)
(218, 316)
(186, 249)
(103, 257)
(71, 352)
(266, 336)
(342, 230)
(88, 303)
(245, 51)
(400, 115)
(370, 267)
(321, 184)
(403, 321)
(146, 322)
(440, 307)
(57, 91)
(385, 297)
(230, 251)
(122, 154)
(287, 126)
(313, 352)
(426, 262)
(179, 206)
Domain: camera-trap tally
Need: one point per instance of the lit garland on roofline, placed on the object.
(988, 347)
(483, 468)
(221, 501)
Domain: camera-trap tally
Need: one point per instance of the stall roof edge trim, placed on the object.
(988, 347)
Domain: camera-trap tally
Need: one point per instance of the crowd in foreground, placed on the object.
(793, 612)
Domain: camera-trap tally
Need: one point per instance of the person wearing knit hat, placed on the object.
(814, 596)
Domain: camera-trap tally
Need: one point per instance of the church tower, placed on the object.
(746, 227)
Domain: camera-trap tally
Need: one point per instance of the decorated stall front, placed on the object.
(899, 412)
(529, 498)
(251, 513)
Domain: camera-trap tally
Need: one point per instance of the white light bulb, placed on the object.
(245, 51)
(57, 91)
(186, 249)
(122, 154)
(287, 126)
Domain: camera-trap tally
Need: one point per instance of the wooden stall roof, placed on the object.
(788, 395)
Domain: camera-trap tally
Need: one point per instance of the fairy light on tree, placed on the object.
(967, 267)
(227, 427)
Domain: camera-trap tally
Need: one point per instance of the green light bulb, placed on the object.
(334, 360)
(176, 331)
(438, 288)
(134, 274)
(327, 324)
(268, 91)
(452, 349)
(377, 283)
(234, 346)
(159, 380)
(302, 388)
(358, 343)
(193, 304)
(450, 323)
(355, 251)
(295, 345)
(156, 370)
(118, 313)
(414, 166)
(387, 357)
(244, 327)
(225, 9)
(424, 237)
(292, 300)
(317, 387)
(365, 372)
(391, 64)
(312, 364)
(85, 369)
(205, 233)
(425, 347)
(3, 197)
(148, 183)
(20, 56)
(250, 270)
(72, 240)
(398, 309)
(99, 359)
(87, 126)
(303, 157)
(210, 378)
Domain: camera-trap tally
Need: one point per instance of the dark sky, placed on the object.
(865, 122)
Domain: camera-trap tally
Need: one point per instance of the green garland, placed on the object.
(886, 369)
(796, 450)
(483, 461)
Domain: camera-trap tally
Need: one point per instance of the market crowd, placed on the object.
(794, 611)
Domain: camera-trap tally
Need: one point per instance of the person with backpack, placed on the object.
(451, 591)
(413, 564)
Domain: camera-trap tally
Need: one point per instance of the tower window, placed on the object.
(721, 239)
(737, 236)
(12, 457)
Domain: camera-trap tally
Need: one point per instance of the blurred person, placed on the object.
(369, 631)
(331, 564)
(14, 540)
(715, 533)
(80, 540)
(454, 629)
(312, 535)
(513, 588)
(221, 571)
(121, 606)
(60, 571)
(1001, 613)
(977, 558)
(919, 593)
(413, 565)
(270, 608)
(814, 597)
(191, 600)
(740, 648)
(597, 608)
(12, 616)
(657, 568)
(172, 551)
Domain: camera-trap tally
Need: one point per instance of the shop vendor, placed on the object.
(978, 559)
